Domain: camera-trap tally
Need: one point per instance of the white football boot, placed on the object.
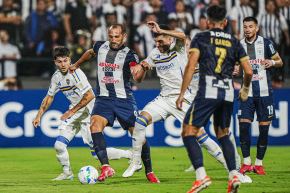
(64, 176)
(135, 166)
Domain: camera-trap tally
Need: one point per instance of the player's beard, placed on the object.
(164, 48)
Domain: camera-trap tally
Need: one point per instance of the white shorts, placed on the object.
(10, 70)
(164, 106)
(79, 122)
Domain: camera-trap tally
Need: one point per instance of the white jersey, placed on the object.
(73, 86)
(169, 67)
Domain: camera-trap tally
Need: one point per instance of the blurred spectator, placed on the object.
(184, 19)
(10, 20)
(82, 44)
(272, 25)
(143, 39)
(37, 24)
(115, 6)
(10, 84)
(200, 10)
(237, 14)
(201, 27)
(158, 9)
(173, 22)
(100, 32)
(9, 54)
(78, 15)
(139, 8)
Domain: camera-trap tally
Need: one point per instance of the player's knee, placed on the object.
(264, 123)
(59, 146)
(146, 116)
(245, 121)
(189, 130)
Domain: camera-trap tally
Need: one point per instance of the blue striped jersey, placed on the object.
(73, 86)
(113, 70)
(258, 51)
(219, 51)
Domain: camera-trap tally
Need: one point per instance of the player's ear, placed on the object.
(257, 29)
(225, 22)
(125, 37)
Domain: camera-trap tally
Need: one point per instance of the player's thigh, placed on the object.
(126, 112)
(157, 108)
(222, 118)
(265, 109)
(246, 109)
(200, 112)
(86, 133)
(66, 133)
(103, 108)
(178, 114)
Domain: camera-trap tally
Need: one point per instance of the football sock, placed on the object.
(200, 173)
(61, 152)
(114, 153)
(229, 152)
(212, 147)
(194, 151)
(258, 162)
(245, 138)
(237, 156)
(262, 141)
(146, 158)
(247, 160)
(100, 147)
(138, 137)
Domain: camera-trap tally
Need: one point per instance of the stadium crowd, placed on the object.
(30, 29)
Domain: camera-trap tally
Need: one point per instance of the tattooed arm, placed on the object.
(44, 106)
(88, 96)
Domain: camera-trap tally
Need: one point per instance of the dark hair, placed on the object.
(253, 19)
(161, 26)
(216, 13)
(60, 51)
(117, 25)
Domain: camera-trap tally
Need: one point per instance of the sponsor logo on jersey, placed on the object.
(108, 67)
(67, 81)
(109, 80)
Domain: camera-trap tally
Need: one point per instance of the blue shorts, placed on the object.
(125, 110)
(201, 110)
(263, 106)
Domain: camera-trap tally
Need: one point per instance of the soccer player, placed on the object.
(78, 91)
(263, 57)
(116, 64)
(169, 58)
(216, 52)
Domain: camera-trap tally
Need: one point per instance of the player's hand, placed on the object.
(68, 114)
(268, 63)
(72, 68)
(179, 102)
(36, 122)
(236, 70)
(145, 66)
(243, 94)
(154, 26)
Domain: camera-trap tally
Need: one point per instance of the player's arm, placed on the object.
(188, 73)
(46, 102)
(87, 97)
(176, 34)
(85, 57)
(275, 59)
(139, 71)
(248, 73)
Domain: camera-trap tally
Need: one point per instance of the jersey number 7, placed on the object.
(221, 53)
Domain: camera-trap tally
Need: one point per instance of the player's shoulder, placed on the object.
(98, 45)
(131, 54)
(155, 54)
(266, 40)
(201, 35)
(56, 76)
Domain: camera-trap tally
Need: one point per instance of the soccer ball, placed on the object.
(88, 175)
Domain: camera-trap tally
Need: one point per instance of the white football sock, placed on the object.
(138, 139)
(237, 156)
(247, 160)
(214, 150)
(114, 153)
(200, 173)
(232, 174)
(62, 155)
(258, 162)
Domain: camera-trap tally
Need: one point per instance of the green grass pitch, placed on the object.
(31, 170)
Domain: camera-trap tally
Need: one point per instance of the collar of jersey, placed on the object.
(251, 42)
(121, 48)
